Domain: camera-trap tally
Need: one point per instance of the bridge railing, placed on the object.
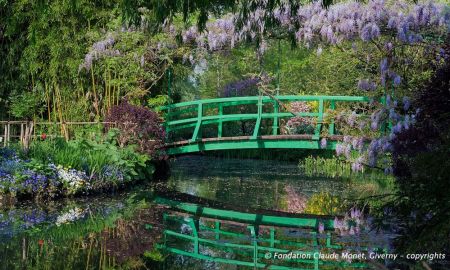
(253, 238)
(199, 113)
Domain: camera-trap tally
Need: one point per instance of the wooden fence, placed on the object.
(25, 131)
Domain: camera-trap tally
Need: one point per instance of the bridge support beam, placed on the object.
(248, 144)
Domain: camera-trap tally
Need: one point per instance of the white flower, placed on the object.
(70, 216)
(74, 179)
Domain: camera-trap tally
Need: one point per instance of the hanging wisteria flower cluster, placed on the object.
(100, 49)
(352, 20)
(335, 24)
(386, 25)
(240, 88)
(394, 112)
(357, 228)
(223, 33)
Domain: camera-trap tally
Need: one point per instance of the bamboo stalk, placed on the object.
(4, 137)
(47, 96)
(24, 248)
(118, 90)
(106, 97)
(9, 133)
(21, 134)
(94, 92)
(109, 89)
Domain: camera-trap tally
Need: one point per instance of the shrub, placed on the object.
(138, 126)
(421, 165)
(102, 160)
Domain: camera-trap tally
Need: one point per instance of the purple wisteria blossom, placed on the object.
(366, 85)
(100, 49)
(323, 143)
(406, 103)
(357, 166)
(241, 88)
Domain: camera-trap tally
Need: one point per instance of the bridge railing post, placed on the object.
(254, 239)
(275, 118)
(220, 126)
(258, 120)
(331, 126)
(194, 226)
(316, 135)
(195, 135)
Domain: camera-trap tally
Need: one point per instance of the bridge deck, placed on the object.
(248, 142)
(298, 137)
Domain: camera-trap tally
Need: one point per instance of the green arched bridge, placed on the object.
(258, 239)
(251, 122)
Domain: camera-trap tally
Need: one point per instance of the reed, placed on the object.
(334, 167)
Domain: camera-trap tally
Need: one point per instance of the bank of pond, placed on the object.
(209, 213)
(56, 168)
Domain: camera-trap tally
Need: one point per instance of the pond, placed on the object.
(130, 229)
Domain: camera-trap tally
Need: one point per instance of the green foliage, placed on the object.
(39, 167)
(300, 70)
(335, 168)
(92, 156)
(44, 47)
(159, 100)
(154, 255)
(26, 105)
(325, 204)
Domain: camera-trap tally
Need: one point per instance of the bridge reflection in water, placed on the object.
(204, 125)
(262, 238)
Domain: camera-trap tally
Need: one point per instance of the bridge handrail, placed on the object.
(267, 98)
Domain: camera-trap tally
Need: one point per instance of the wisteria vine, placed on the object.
(383, 25)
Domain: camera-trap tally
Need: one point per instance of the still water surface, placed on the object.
(123, 230)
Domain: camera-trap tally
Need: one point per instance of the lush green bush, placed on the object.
(92, 156)
(421, 166)
(55, 167)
